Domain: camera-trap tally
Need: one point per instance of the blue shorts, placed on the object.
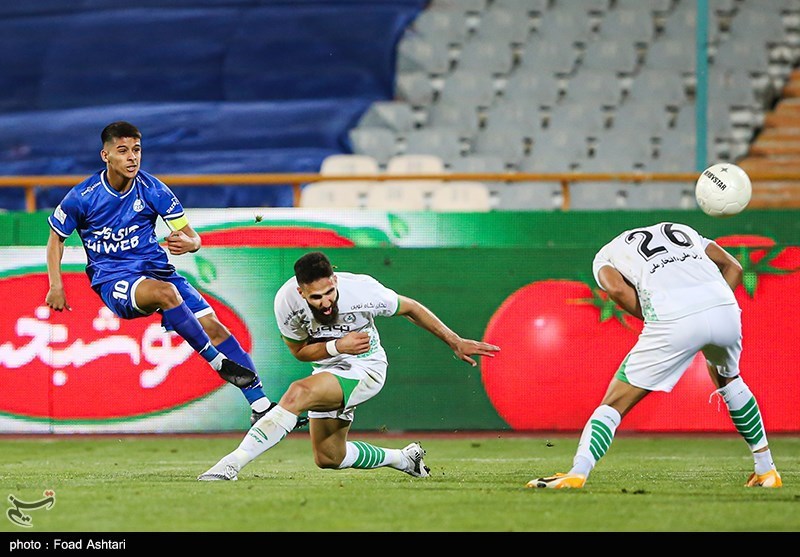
(119, 295)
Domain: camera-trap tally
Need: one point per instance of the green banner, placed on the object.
(520, 280)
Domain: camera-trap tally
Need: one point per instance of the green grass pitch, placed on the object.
(477, 484)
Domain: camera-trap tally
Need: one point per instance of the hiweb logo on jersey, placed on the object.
(86, 366)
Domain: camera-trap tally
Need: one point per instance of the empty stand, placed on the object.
(396, 196)
(461, 196)
(377, 142)
(334, 195)
(444, 142)
(395, 115)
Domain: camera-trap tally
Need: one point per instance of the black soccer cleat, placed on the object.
(236, 374)
(302, 421)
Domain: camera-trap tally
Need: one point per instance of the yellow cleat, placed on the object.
(562, 481)
(770, 479)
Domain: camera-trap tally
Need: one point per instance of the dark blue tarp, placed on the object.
(230, 86)
(185, 138)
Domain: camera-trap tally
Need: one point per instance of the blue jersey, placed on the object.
(118, 230)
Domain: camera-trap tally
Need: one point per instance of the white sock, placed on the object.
(216, 363)
(763, 462)
(265, 434)
(261, 404)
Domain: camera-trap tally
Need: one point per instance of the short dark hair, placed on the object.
(119, 129)
(311, 267)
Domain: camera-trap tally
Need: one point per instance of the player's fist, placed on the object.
(179, 243)
(353, 343)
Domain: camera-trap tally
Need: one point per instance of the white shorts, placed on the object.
(666, 348)
(361, 380)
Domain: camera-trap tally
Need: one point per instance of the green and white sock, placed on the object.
(744, 412)
(596, 438)
(365, 456)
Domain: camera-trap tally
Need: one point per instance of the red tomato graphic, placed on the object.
(88, 364)
(770, 302)
(557, 356)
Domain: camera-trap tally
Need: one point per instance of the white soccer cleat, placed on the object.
(416, 467)
(224, 470)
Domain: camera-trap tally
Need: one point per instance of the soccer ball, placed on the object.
(723, 190)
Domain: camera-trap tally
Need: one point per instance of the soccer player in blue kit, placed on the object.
(115, 212)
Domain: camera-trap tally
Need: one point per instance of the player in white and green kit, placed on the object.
(328, 319)
(681, 284)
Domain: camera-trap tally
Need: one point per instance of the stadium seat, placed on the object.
(379, 143)
(418, 53)
(447, 26)
(444, 142)
(461, 196)
(636, 26)
(487, 54)
(396, 115)
(427, 164)
(334, 194)
(469, 86)
(342, 164)
(463, 118)
(415, 87)
(533, 89)
(530, 196)
(613, 56)
(595, 196)
(500, 140)
(505, 26)
(397, 196)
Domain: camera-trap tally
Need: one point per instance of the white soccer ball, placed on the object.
(723, 190)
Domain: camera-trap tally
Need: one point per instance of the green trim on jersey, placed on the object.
(348, 386)
(620, 374)
(398, 307)
(294, 340)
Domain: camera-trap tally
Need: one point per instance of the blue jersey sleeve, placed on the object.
(66, 216)
(167, 205)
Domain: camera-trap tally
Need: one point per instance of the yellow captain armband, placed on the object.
(178, 223)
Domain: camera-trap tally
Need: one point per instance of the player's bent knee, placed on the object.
(167, 296)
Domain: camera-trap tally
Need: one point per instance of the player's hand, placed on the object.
(56, 299)
(353, 343)
(465, 348)
(179, 243)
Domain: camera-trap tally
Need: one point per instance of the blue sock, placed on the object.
(234, 351)
(183, 322)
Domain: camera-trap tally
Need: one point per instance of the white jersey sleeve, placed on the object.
(291, 312)
(669, 268)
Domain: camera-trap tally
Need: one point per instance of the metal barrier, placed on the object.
(296, 180)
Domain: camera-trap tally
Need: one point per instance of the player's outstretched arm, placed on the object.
(56, 297)
(185, 240)
(425, 318)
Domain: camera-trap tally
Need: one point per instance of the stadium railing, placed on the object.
(789, 199)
